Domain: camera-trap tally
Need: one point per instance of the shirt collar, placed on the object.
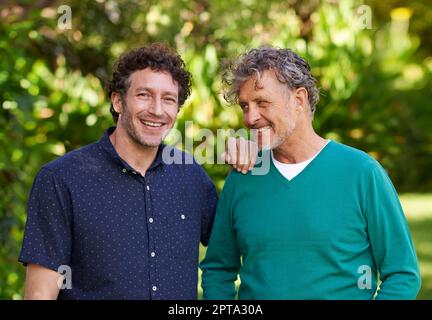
(106, 145)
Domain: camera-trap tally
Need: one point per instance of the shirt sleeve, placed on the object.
(207, 216)
(222, 261)
(390, 239)
(47, 236)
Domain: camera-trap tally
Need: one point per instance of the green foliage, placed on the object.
(375, 83)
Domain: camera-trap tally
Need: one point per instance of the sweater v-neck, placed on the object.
(304, 172)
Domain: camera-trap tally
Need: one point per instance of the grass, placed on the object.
(418, 211)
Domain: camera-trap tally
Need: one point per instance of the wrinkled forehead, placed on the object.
(264, 83)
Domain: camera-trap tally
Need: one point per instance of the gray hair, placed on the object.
(289, 67)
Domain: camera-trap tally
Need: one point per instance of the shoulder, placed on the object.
(352, 159)
(184, 162)
(234, 180)
(75, 161)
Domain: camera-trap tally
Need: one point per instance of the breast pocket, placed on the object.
(184, 233)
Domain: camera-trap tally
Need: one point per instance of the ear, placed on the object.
(301, 99)
(117, 102)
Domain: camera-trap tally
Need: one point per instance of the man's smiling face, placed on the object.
(149, 107)
(268, 107)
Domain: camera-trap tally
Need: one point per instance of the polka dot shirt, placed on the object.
(123, 235)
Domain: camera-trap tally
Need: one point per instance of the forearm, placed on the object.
(221, 266)
(41, 283)
(222, 261)
(219, 284)
(400, 286)
(392, 247)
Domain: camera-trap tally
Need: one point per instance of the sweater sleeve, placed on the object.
(221, 264)
(390, 239)
(209, 209)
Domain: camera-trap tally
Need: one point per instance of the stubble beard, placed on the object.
(132, 131)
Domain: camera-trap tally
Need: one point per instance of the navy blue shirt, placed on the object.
(123, 235)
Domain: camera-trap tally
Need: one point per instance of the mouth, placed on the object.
(262, 135)
(152, 124)
(263, 129)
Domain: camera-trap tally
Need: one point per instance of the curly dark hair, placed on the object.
(157, 56)
(290, 69)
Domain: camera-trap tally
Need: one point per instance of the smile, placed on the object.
(152, 124)
(263, 129)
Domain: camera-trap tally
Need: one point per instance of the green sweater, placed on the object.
(326, 234)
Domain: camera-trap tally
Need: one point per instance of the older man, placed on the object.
(325, 219)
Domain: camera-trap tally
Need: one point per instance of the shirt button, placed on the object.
(154, 288)
(183, 217)
(151, 220)
(148, 188)
(124, 170)
(152, 254)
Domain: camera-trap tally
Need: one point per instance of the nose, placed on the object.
(156, 107)
(251, 116)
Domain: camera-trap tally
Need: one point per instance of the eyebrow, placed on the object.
(260, 99)
(257, 99)
(173, 93)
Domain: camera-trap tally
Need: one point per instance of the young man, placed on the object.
(124, 224)
(324, 220)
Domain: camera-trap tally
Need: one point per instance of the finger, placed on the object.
(253, 154)
(225, 156)
(231, 152)
(243, 158)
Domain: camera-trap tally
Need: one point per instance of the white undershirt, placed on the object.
(290, 170)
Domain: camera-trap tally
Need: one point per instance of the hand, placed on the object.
(241, 154)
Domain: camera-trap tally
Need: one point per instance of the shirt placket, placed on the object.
(152, 247)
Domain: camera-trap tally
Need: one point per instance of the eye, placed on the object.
(263, 103)
(170, 100)
(144, 95)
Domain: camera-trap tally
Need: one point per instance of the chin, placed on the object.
(267, 144)
(149, 143)
(273, 144)
(152, 144)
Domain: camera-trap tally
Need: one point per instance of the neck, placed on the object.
(137, 156)
(300, 146)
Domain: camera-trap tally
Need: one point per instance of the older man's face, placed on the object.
(269, 108)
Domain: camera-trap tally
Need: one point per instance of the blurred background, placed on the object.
(373, 61)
